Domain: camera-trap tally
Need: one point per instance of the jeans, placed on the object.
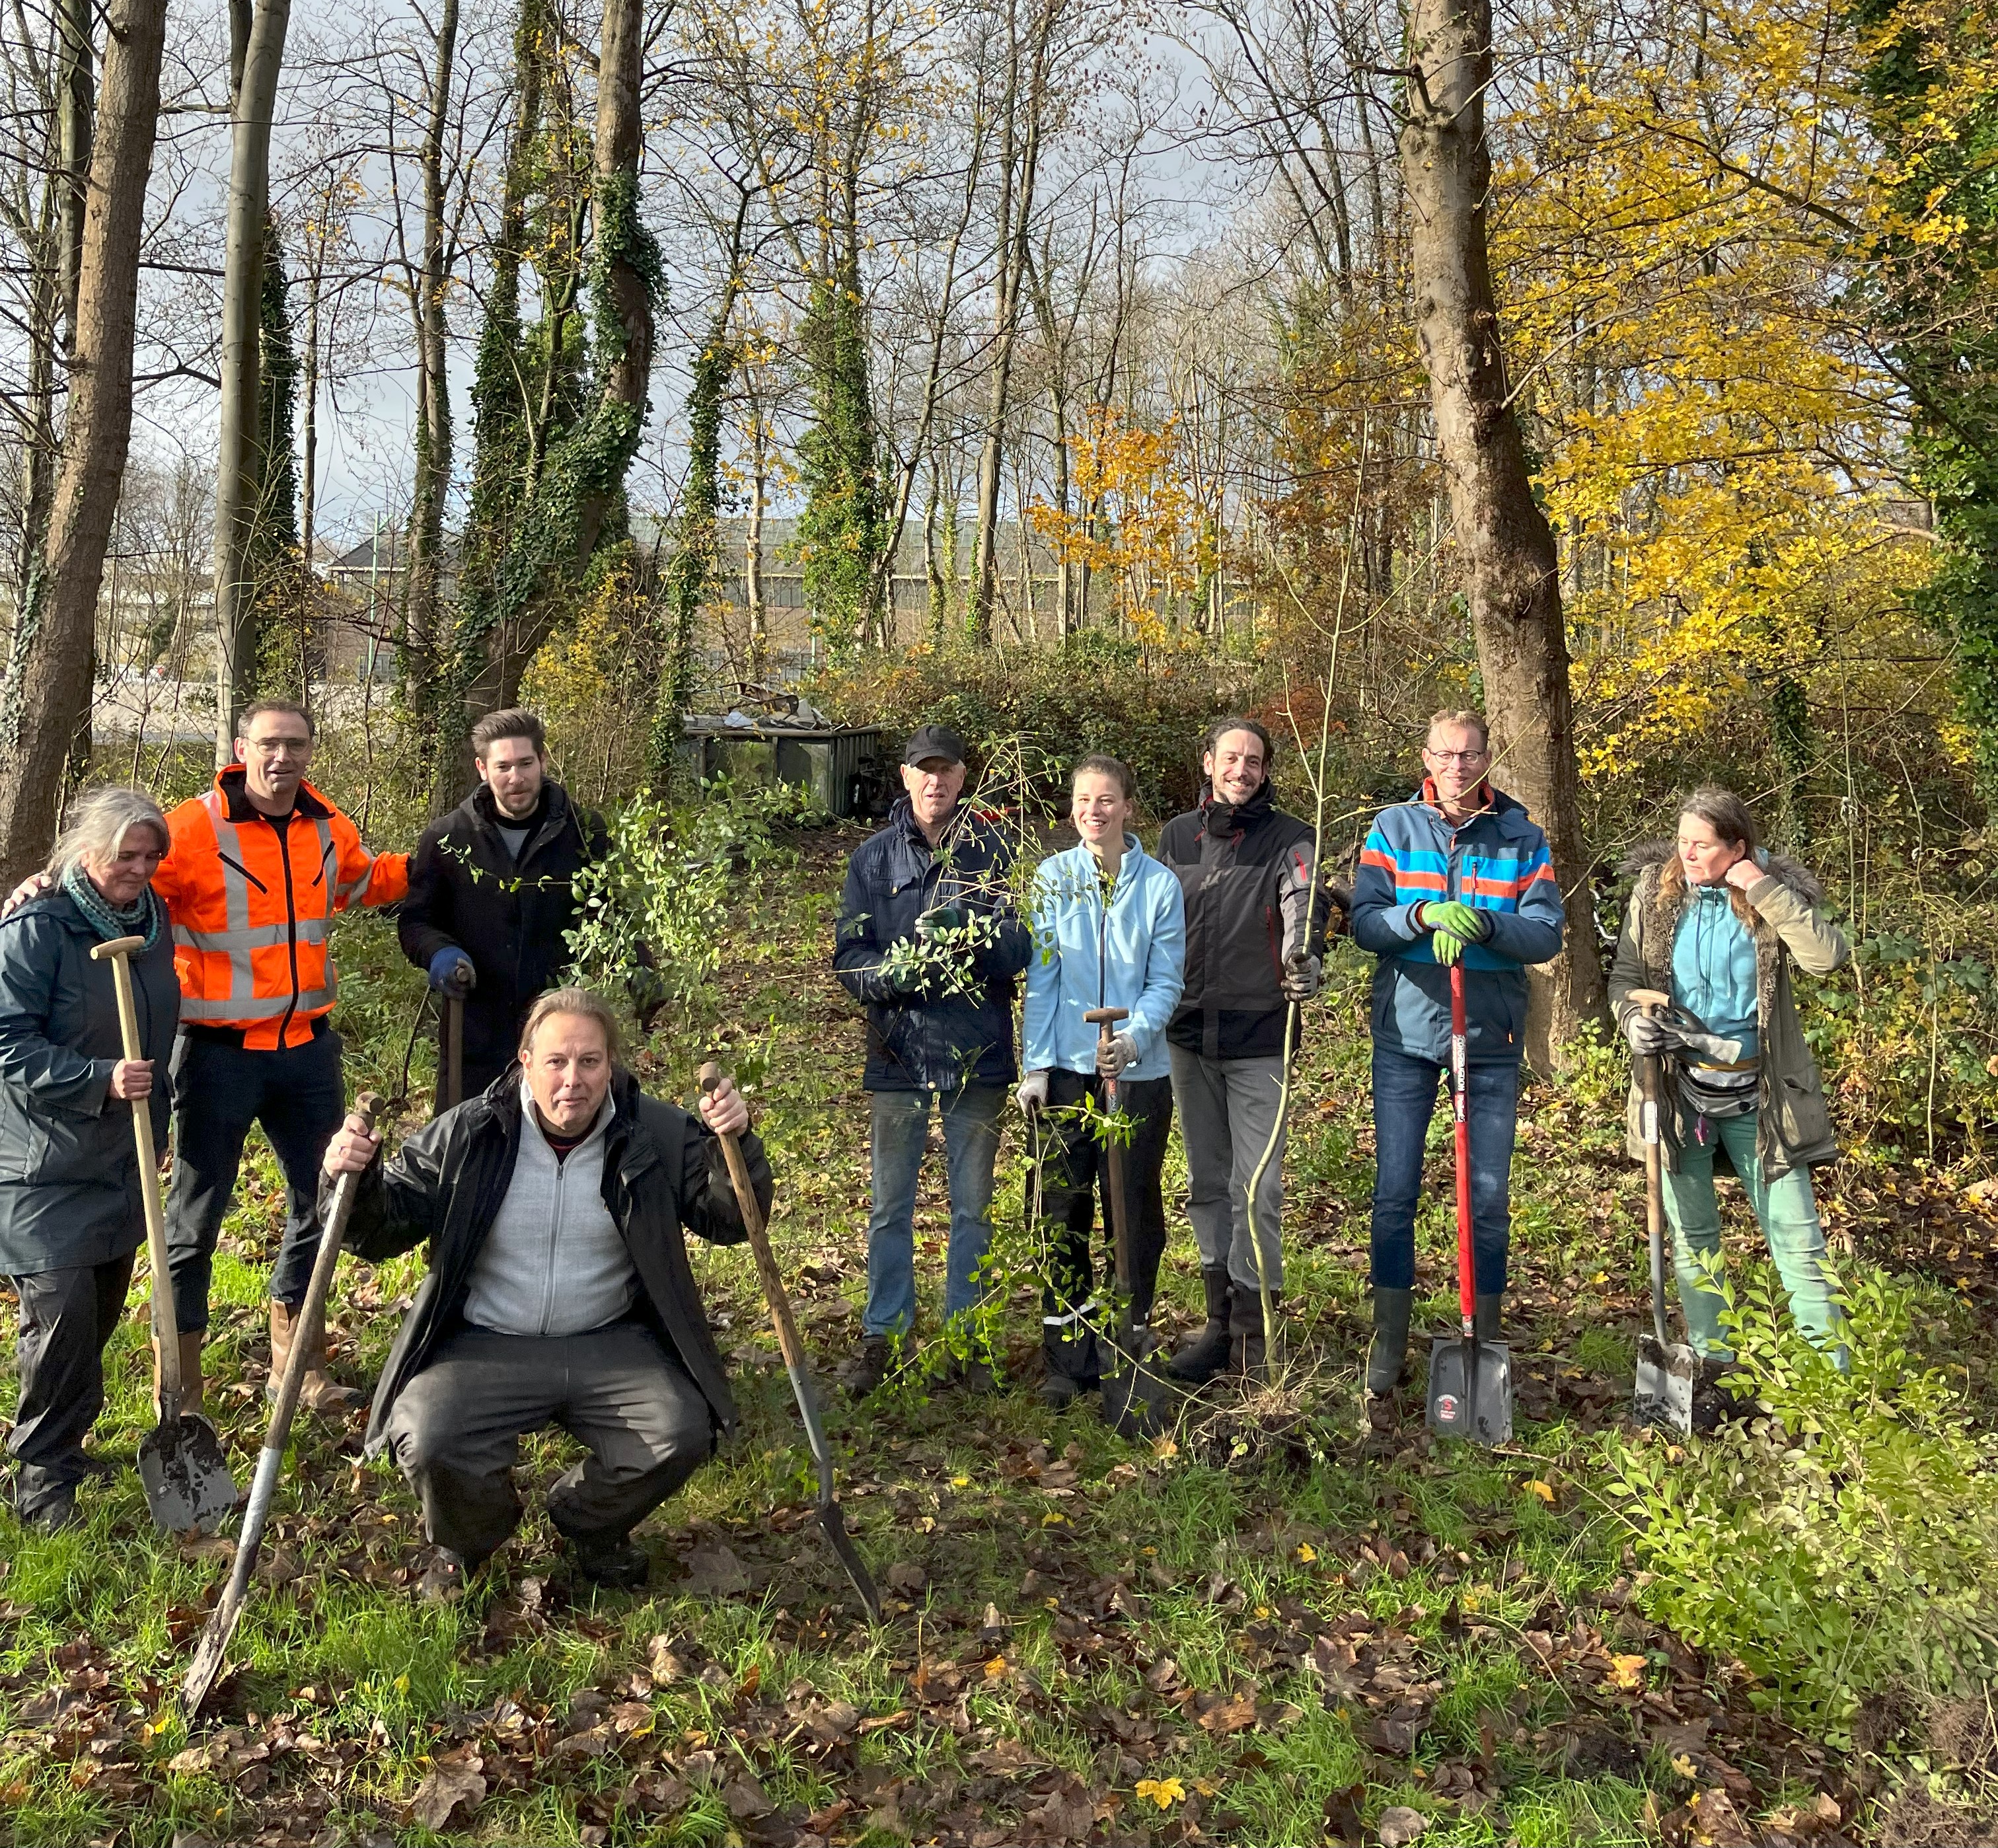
(298, 1094)
(68, 1316)
(1786, 1210)
(456, 1429)
(1405, 1097)
(1228, 1108)
(1075, 1169)
(901, 1129)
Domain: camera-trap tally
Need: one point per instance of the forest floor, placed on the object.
(1247, 1630)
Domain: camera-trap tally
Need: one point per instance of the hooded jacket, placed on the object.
(1130, 953)
(1787, 922)
(663, 1175)
(1249, 875)
(1496, 860)
(933, 1038)
(69, 1167)
(509, 917)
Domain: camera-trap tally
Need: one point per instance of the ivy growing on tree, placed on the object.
(844, 528)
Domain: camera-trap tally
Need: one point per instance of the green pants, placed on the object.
(1787, 1212)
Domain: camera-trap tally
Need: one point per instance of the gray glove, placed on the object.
(1032, 1093)
(1646, 1033)
(1302, 975)
(1112, 1059)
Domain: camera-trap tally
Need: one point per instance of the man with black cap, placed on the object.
(929, 939)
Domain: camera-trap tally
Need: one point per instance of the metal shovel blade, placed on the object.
(1470, 1390)
(1665, 1373)
(186, 1476)
(1134, 1401)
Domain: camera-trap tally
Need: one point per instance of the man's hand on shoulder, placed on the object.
(33, 887)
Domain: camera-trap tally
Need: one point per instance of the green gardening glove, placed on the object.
(1456, 927)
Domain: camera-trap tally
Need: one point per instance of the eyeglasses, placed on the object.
(1455, 757)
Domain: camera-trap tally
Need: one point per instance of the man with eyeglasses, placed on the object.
(1458, 874)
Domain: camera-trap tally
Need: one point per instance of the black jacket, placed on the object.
(924, 1041)
(1252, 902)
(466, 890)
(69, 1166)
(664, 1173)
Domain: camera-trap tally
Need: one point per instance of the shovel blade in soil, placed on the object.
(1134, 1400)
(1665, 1371)
(186, 1476)
(1470, 1390)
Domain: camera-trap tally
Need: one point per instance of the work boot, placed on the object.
(444, 1582)
(1059, 1391)
(1207, 1353)
(190, 1382)
(976, 1377)
(1486, 1318)
(1388, 1353)
(1247, 1337)
(610, 1560)
(317, 1390)
(869, 1373)
(60, 1511)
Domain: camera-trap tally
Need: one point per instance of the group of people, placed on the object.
(1202, 956)
(554, 1199)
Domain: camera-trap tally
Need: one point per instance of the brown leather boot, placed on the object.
(190, 1382)
(318, 1391)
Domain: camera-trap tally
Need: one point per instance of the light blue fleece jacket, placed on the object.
(1130, 956)
(1714, 968)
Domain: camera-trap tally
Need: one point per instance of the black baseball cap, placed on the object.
(934, 741)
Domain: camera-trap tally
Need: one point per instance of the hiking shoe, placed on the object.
(54, 1515)
(1059, 1391)
(442, 1582)
(869, 1373)
(613, 1562)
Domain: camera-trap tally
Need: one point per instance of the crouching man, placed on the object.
(555, 1206)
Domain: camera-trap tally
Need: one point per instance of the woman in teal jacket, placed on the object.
(1109, 926)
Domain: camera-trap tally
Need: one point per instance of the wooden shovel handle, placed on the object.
(767, 1273)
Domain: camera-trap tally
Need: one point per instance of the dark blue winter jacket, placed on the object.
(950, 1030)
(1496, 860)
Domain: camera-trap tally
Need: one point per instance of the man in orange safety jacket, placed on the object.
(256, 868)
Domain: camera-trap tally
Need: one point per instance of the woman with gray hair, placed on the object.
(71, 1213)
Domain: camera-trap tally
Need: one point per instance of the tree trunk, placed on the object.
(432, 479)
(752, 546)
(1511, 572)
(237, 472)
(46, 694)
(74, 71)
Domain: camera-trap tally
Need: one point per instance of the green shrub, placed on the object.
(1842, 1544)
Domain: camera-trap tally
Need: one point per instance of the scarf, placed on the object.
(1221, 819)
(107, 920)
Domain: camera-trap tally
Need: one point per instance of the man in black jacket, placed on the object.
(1256, 931)
(555, 1206)
(928, 938)
(490, 890)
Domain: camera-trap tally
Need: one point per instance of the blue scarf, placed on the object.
(107, 920)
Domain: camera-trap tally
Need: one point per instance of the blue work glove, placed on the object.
(451, 973)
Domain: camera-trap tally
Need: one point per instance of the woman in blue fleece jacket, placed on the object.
(1109, 925)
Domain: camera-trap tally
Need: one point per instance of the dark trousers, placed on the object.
(66, 1318)
(1074, 1174)
(1405, 1097)
(456, 1428)
(298, 1095)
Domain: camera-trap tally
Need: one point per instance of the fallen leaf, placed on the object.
(1716, 1823)
(1164, 1791)
(1627, 1672)
(1225, 1717)
(1345, 1818)
(715, 1570)
(907, 1577)
(449, 1785)
(1004, 1757)
(746, 1799)
(1544, 1491)
(1400, 1825)
(832, 1722)
(665, 1664)
(1163, 1676)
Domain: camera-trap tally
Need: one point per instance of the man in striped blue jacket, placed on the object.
(1458, 874)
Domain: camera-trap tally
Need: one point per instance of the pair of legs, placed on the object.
(1228, 1110)
(1404, 1098)
(1786, 1210)
(901, 1127)
(455, 1432)
(66, 1318)
(1074, 1171)
(299, 1095)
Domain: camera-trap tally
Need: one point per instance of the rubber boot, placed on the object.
(1387, 1358)
(1486, 1318)
(1246, 1352)
(317, 1392)
(190, 1382)
(1207, 1353)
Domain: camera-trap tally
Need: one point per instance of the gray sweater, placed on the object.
(554, 1261)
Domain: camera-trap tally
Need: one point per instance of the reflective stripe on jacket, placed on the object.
(250, 901)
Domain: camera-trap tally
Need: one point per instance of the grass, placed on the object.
(1266, 1632)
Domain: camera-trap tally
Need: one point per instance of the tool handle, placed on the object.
(1460, 1075)
(166, 1331)
(767, 1273)
(454, 1049)
(1649, 1086)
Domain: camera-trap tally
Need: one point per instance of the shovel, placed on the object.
(1470, 1381)
(186, 1476)
(206, 1668)
(831, 1517)
(1665, 1369)
(1132, 1397)
(452, 1031)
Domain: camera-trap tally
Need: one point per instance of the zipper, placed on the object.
(291, 922)
(555, 1233)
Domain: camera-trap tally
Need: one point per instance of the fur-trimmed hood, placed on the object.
(1793, 873)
